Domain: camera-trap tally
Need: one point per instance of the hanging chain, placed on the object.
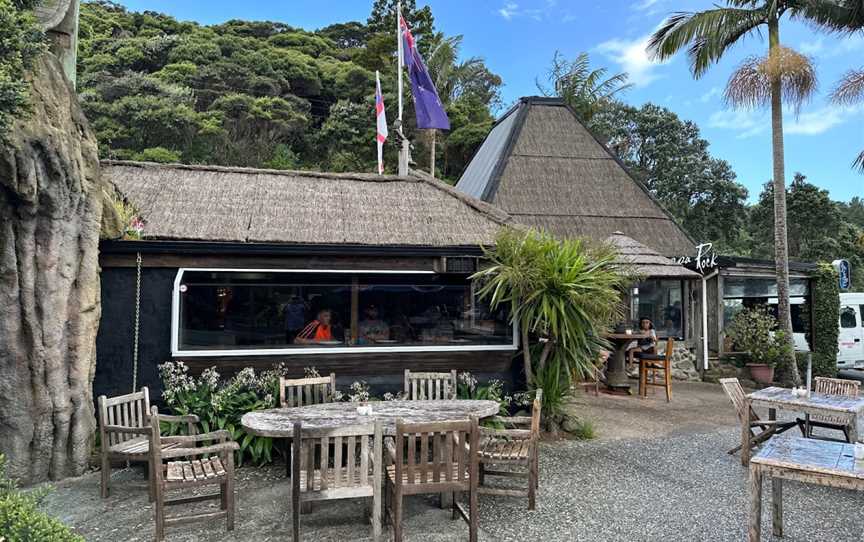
(137, 321)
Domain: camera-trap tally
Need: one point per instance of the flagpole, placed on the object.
(404, 149)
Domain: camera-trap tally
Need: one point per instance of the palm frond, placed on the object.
(859, 162)
(850, 88)
(843, 16)
(749, 86)
(709, 33)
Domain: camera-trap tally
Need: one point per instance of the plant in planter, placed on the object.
(754, 330)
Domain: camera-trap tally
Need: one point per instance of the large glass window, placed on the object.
(244, 311)
(662, 302)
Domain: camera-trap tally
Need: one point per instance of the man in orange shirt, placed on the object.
(317, 330)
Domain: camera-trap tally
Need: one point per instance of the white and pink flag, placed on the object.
(381, 119)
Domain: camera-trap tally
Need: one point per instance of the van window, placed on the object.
(847, 317)
(861, 311)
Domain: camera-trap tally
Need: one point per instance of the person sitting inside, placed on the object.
(645, 345)
(372, 329)
(318, 330)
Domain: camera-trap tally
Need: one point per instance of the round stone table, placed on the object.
(279, 422)
(616, 370)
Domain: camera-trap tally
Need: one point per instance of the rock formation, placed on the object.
(53, 203)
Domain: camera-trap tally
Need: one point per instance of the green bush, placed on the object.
(754, 331)
(221, 403)
(825, 300)
(20, 518)
(822, 365)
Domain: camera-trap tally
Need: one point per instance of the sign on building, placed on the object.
(845, 272)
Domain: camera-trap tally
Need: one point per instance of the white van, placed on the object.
(850, 354)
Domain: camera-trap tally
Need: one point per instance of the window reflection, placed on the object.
(242, 310)
(661, 302)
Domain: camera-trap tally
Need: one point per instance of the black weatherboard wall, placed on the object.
(114, 343)
(383, 371)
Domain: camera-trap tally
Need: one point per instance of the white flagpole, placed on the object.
(404, 149)
(399, 48)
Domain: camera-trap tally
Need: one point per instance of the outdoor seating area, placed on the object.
(633, 467)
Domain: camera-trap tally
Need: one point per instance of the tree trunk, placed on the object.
(526, 355)
(52, 201)
(781, 249)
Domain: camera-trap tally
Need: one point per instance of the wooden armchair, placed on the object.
(306, 391)
(831, 386)
(767, 428)
(444, 464)
(350, 475)
(213, 465)
(514, 448)
(124, 430)
(651, 364)
(430, 386)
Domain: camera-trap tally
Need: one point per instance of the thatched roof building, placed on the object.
(645, 261)
(229, 204)
(543, 167)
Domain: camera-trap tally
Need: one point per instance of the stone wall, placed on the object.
(684, 362)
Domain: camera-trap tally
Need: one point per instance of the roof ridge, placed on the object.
(370, 177)
(495, 213)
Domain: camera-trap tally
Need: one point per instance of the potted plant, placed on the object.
(754, 331)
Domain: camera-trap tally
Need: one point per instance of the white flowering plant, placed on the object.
(220, 403)
(467, 387)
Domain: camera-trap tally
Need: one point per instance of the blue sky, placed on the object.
(518, 38)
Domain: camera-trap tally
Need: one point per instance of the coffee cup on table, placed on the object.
(628, 332)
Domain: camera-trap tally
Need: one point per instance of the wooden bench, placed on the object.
(809, 461)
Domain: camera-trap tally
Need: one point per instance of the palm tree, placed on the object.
(564, 292)
(850, 89)
(781, 75)
(583, 89)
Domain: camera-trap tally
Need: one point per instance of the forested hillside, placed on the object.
(265, 94)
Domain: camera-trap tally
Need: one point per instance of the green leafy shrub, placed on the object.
(221, 403)
(825, 308)
(754, 330)
(22, 521)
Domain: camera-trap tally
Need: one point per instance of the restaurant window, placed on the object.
(747, 292)
(662, 302)
(238, 312)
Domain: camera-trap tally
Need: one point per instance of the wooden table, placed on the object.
(775, 398)
(616, 373)
(810, 461)
(279, 422)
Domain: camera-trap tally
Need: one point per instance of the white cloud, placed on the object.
(812, 47)
(712, 93)
(751, 123)
(820, 121)
(633, 58)
(510, 10)
(643, 5)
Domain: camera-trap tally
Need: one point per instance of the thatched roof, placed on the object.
(647, 262)
(543, 167)
(210, 203)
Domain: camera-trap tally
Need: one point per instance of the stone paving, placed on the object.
(657, 471)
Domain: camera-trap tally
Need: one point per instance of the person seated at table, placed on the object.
(372, 329)
(645, 345)
(318, 330)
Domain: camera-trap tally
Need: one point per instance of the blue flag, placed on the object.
(427, 105)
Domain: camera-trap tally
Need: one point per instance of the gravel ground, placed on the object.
(657, 471)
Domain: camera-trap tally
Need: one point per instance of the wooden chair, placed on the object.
(124, 429)
(356, 470)
(213, 465)
(306, 391)
(447, 462)
(831, 386)
(430, 386)
(514, 449)
(596, 374)
(297, 392)
(651, 364)
(767, 428)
